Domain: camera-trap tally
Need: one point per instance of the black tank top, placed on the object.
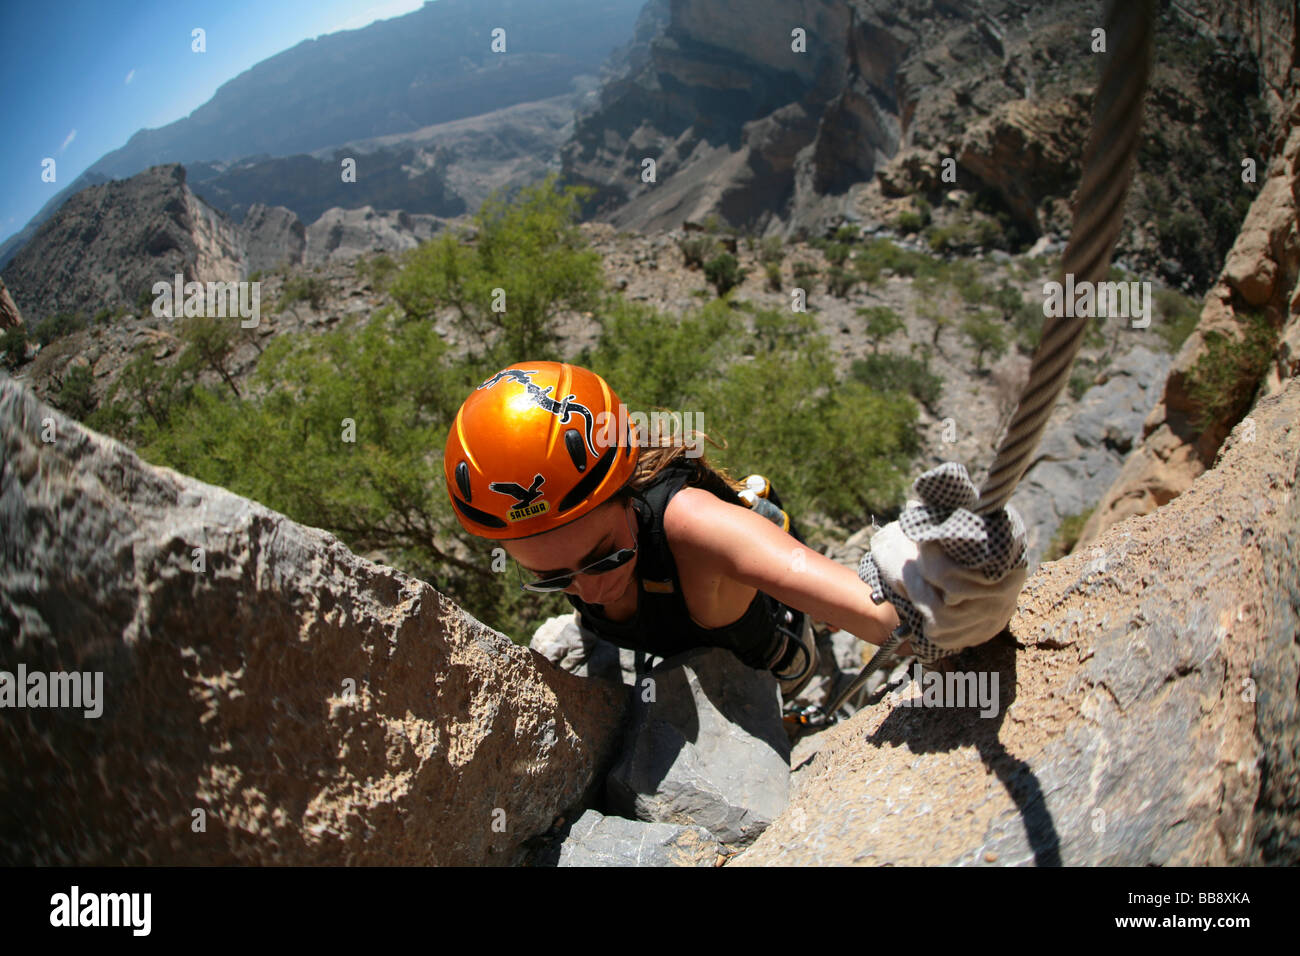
(661, 624)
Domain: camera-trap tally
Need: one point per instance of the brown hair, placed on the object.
(660, 450)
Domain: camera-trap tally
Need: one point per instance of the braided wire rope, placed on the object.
(1108, 161)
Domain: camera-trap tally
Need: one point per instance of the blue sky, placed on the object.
(79, 77)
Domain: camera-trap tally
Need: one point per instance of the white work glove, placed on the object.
(953, 576)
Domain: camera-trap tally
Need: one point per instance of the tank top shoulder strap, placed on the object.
(655, 558)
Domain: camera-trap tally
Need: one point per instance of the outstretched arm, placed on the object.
(745, 546)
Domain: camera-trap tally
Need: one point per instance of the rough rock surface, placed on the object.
(1261, 273)
(704, 745)
(341, 235)
(10, 317)
(563, 642)
(273, 236)
(1148, 710)
(109, 243)
(598, 840)
(1084, 450)
(315, 707)
(736, 121)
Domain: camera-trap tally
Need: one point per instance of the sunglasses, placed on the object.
(604, 565)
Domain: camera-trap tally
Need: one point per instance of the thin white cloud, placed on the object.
(383, 10)
(129, 77)
(68, 140)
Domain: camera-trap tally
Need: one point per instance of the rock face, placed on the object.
(10, 317)
(1261, 275)
(736, 120)
(1084, 452)
(110, 243)
(341, 235)
(273, 236)
(704, 745)
(1147, 709)
(270, 699)
(598, 840)
(744, 125)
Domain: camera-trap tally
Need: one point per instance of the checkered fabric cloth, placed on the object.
(952, 575)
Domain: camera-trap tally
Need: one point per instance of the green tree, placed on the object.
(75, 394)
(985, 335)
(212, 341)
(882, 322)
(527, 262)
(13, 343)
(724, 273)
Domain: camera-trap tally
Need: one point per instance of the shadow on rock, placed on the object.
(942, 717)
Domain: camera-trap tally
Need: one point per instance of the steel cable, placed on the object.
(1108, 161)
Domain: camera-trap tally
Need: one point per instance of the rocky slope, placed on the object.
(858, 127)
(1147, 708)
(266, 696)
(1260, 277)
(109, 244)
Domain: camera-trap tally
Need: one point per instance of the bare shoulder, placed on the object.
(698, 519)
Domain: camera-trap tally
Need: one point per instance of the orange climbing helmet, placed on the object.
(536, 446)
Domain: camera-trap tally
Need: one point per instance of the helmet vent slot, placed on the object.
(587, 484)
(462, 480)
(574, 445)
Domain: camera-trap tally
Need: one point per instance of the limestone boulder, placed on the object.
(705, 746)
(268, 697)
(1145, 703)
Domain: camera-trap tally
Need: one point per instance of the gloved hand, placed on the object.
(953, 576)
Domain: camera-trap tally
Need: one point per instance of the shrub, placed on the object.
(57, 326)
(1067, 536)
(771, 250)
(13, 343)
(837, 253)
(696, 249)
(529, 247)
(1174, 316)
(840, 282)
(882, 322)
(773, 271)
(379, 269)
(303, 289)
(985, 335)
(901, 373)
(1223, 380)
(908, 222)
(75, 393)
(724, 273)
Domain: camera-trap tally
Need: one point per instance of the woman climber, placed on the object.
(661, 553)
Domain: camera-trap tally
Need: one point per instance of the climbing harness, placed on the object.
(1108, 161)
